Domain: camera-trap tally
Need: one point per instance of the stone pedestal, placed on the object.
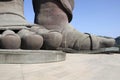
(30, 56)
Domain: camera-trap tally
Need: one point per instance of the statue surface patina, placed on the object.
(56, 15)
(52, 28)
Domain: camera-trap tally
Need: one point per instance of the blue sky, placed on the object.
(99, 17)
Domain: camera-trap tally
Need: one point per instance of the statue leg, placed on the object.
(55, 15)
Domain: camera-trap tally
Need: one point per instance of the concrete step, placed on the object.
(30, 56)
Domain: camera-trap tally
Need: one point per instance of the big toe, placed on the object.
(10, 41)
(33, 42)
(52, 40)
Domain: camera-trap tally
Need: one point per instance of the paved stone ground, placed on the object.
(76, 67)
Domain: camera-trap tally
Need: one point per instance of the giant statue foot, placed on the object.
(79, 41)
(33, 38)
(16, 33)
(13, 27)
(54, 30)
(24, 39)
(55, 15)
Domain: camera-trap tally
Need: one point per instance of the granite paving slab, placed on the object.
(75, 67)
